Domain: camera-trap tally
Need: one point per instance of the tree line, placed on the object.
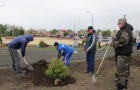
(104, 32)
(11, 30)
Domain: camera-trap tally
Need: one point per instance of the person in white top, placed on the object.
(138, 42)
(75, 42)
(99, 41)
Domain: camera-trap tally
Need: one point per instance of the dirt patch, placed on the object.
(134, 61)
(40, 79)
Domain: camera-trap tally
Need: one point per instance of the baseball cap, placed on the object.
(56, 44)
(90, 27)
(122, 20)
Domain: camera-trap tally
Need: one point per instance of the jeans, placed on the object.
(76, 48)
(99, 44)
(90, 57)
(138, 47)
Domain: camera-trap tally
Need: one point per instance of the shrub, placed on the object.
(57, 70)
(43, 44)
(83, 42)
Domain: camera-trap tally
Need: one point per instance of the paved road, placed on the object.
(36, 55)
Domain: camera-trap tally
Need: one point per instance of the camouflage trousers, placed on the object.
(123, 70)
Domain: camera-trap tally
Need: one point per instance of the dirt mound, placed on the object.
(40, 79)
(133, 61)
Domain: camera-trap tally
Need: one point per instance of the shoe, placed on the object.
(21, 72)
(14, 69)
(119, 87)
(91, 73)
(125, 87)
(75, 52)
(86, 71)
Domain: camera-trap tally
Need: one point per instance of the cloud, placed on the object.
(61, 14)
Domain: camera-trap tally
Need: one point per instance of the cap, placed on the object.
(56, 44)
(122, 20)
(90, 27)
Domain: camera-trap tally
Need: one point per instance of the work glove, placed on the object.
(23, 58)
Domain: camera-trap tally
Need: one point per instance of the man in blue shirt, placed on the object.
(67, 52)
(17, 43)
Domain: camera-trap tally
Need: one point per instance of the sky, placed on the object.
(61, 14)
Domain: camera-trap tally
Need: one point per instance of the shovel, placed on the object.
(29, 67)
(95, 76)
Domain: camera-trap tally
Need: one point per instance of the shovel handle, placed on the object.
(103, 59)
(23, 59)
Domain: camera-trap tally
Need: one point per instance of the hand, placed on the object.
(23, 58)
(83, 49)
(87, 50)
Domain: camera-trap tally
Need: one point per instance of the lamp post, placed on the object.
(124, 15)
(74, 24)
(92, 17)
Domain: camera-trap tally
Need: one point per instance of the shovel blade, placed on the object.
(30, 68)
(94, 79)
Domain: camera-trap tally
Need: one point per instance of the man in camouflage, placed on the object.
(123, 45)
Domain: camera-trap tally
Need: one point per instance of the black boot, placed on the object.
(119, 87)
(125, 87)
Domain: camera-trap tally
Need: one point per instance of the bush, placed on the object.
(83, 42)
(43, 44)
(57, 70)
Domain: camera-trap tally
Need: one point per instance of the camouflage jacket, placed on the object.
(123, 43)
(121, 40)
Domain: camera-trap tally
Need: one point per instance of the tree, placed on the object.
(98, 30)
(30, 32)
(21, 31)
(53, 31)
(65, 33)
(69, 30)
(106, 33)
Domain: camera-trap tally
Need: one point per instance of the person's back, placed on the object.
(67, 53)
(66, 48)
(16, 42)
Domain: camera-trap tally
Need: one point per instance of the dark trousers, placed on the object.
(99, 44)
(15, 58)
(90, 57)
(138, 47)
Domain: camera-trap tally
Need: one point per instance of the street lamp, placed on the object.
(74, 24)
(92, 17)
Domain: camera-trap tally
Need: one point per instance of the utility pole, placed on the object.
(74, 24)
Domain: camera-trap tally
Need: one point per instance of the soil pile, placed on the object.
(40, 79)
(133, 61)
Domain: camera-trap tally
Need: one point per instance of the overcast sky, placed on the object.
(61, 14)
